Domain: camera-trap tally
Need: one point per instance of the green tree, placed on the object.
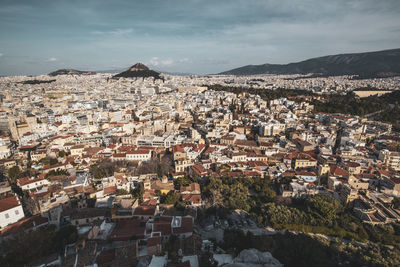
(172, 198)
(325, 206)
(13, 173)
(61, 153)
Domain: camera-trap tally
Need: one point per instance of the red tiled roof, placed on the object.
(252, 173)
(335, 170)
(298, 155)
(199, 169)
(178, 148)
(186, 226)
(154, 241)
(351, 164)
(23, 225)
(144, 210)
(119, 155)
(126, 229)
(26, 180)
(192, 187)
(395, 180)
(209, 150)
(106, 256)
(9, 203)
(288, 174)
(150, 202)
(110, 190)
(139, 152)
(163, 227)
(384, 173)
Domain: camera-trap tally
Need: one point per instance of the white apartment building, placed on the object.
(10, 211)
(139, 155)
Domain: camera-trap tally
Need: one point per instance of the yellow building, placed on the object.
(305, 162)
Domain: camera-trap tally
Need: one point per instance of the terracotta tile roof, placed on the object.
(110, 190)
(209, 150)
(199, 169)
(192, 187)
(186, 226)
(139, 152)
(178, 148)
(9, 203)
(299, 155)
(288, 174)
(144, 211)
(252, 173)
(337, 171)
(23, 225)
(106, 256)
(126, 229)
(154, 241)
(119, 155)
(351, 164)
(163, 227)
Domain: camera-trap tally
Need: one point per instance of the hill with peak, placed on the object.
(70, 72)
(384, 63)
(138, 70)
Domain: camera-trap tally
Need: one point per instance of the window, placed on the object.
(7, 216)
(17, 212)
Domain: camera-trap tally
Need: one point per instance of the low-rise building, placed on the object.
(10, 211)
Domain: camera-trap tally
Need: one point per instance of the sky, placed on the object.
(187, 36)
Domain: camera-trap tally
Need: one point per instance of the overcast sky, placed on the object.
(190, 36)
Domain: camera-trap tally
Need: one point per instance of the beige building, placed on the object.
(77, 150)
(390, 158)
(357, 183)
(182, 165)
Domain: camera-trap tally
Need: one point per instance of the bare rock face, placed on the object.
(254, 258)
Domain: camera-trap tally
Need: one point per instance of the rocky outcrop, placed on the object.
(254, 258)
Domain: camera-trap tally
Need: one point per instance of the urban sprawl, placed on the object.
(155, 171)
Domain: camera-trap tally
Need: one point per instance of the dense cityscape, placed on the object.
(121, 170)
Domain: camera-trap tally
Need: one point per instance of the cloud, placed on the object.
(184, 60)
(154, 61)
(116, 32)
(52, 59)
(167, 62)
(1, 54)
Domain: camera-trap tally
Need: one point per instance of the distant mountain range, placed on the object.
(70, 72)
(138, 70)
(384, 63)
